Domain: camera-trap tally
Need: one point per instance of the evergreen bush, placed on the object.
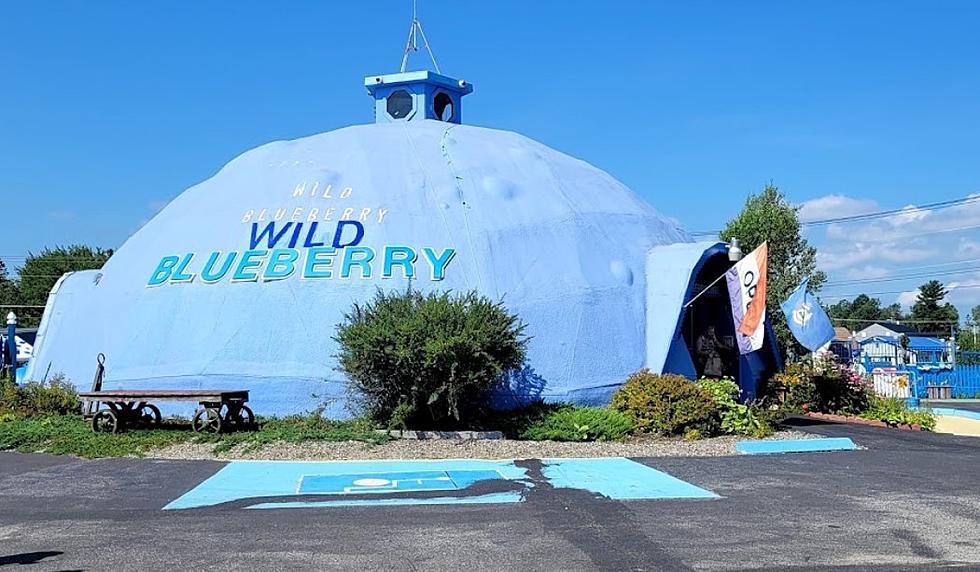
(666, 404)
(53, 397)
(427, 361)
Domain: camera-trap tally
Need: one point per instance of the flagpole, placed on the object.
(706, 288)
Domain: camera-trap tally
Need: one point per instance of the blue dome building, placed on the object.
(242, 279)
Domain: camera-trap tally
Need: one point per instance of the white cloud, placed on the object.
(909, 215)
(964, 292)
(912, 222)
(832, 206)
(867, 271)
(907, 298)
(909, 242)
(967, 247)
(842, 255)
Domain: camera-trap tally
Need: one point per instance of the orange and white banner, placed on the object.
(747, 289)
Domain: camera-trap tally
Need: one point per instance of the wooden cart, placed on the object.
(220, 410)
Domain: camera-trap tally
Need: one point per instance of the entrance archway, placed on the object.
(707, 326)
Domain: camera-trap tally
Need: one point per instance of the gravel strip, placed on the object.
(467, 449)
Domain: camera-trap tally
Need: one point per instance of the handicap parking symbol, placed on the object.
(392, 482)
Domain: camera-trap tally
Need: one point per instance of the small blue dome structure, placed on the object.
(242, 279)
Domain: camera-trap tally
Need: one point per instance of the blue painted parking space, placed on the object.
(620, 479)
(795, 446)
(240, 480)
(410, 482)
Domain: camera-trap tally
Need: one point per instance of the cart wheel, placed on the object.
(149, 415)
(246, 418)
(241, 419)
(206, 421)
(105, 422)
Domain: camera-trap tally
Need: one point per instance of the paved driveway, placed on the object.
(910, 501)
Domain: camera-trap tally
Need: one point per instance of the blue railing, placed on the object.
(964, 380)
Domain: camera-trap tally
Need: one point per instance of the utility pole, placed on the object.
(952, 344)
(12, 345)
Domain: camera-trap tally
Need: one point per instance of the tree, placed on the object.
(973, 318)
(969, 337)
(863, 311)
(768, 216)
(40, 272)
(8, 290)
(929, 310)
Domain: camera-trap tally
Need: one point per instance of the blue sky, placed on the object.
(110, 109)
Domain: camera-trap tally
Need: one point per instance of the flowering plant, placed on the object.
(902, 381)
(824, 385)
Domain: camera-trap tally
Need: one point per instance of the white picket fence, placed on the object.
(889, 382)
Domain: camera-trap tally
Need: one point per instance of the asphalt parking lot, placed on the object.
(908, 501)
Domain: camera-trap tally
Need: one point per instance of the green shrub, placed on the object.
(745, 420)
(53, 397)
(825, 386)
(427, 360)
(665, 404)
(724, 392)
(514, 423)
(580, 424)
(895, 412)
(735, 418)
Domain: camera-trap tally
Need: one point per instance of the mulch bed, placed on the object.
(860, 421)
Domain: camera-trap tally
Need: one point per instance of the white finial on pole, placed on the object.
(413, 40)
(11, 318)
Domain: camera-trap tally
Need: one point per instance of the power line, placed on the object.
(966, 261)
(841, 296)
(876, 215)
(892, 322)
(925, 232)
(941, 273)
(903, 210)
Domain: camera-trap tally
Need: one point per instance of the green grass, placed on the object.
(297, 430)
(70, 435)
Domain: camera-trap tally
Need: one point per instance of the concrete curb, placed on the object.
(859, 421)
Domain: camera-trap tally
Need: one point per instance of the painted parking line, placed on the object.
(490, 498)
(620, 479)
(795, 446)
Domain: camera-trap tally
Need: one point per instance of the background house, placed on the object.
(886, 344)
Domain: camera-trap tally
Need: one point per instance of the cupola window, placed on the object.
(399, 104)
(442, 104)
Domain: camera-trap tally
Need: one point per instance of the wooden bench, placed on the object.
(220, 410)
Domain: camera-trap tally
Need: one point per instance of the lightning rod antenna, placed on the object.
(413, 40)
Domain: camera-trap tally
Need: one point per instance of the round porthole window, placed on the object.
(399, 104)
(443, 106)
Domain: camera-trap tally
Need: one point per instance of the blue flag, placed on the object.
(807, 320)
